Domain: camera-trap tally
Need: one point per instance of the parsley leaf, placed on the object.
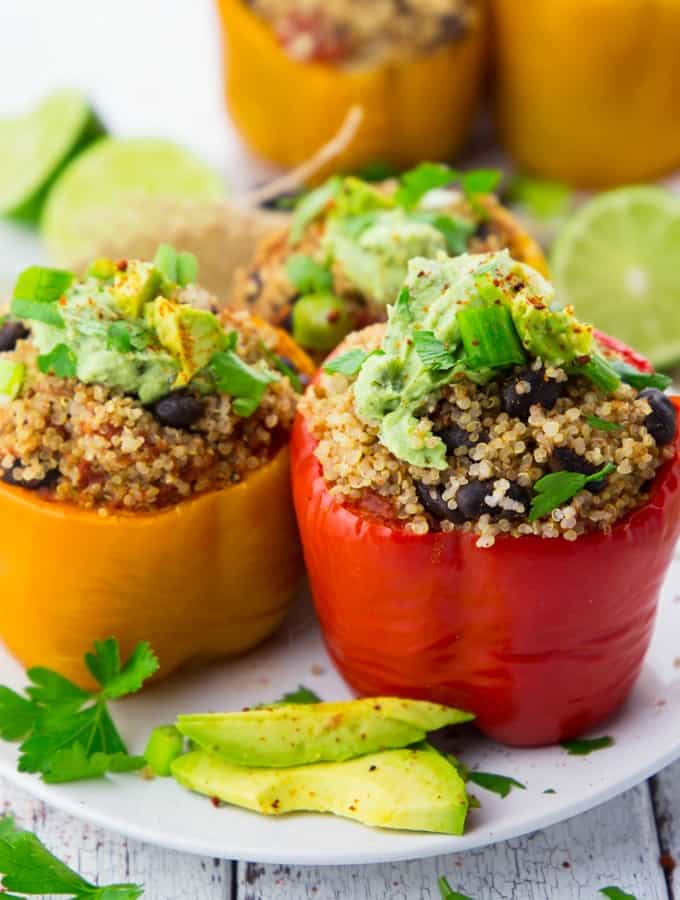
(433, 354)
(307, 275)
(615, 893)
(447, 892)
(311, 206)
(479, 181)
(26, 865)
(348, 363)
(42, 285)
(638, 379)
(415, 183)
(602, 424)
(553, 490)
(301, 695)
(499, 784)
(61, 360)
(69, 733)
(584, 746)
(244, 383)
(127, 336)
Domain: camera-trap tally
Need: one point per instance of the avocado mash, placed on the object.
(128, 326)
(469, 316)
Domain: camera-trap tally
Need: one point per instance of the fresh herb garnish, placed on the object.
(348, 363)
(68, 732)
(37, 311)
(127, 336)
(640, 380)
(61, 361)
(178, 268)
(415, 183)
(307, 275)
(42, 285)
(615, 893)
(584, 746)
(301, 695)
(456, 231)
(499, 784)
(432, 352)
(553, 490)
(282, 366)
(602, 424)
(448, 893)
(26, 865)
(550, 791)
(311, 206)
(244, 383)
(540, 197)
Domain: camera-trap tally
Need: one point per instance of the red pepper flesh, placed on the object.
(541, 638)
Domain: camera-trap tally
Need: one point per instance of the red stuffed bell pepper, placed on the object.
(541, 634)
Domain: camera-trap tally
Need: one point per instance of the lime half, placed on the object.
(108, 185)
(617, 260)
(35, 148)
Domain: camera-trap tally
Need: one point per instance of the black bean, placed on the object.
(520, 495)
(287, 322)
(49, 479)
(483, 230)
(178, 409)
(542, 391)
(661, 422)
(430, 496)
(470, 499)
(563, 459)
(454, 437)
(10, 333)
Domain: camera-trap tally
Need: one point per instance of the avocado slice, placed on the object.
(191, 336)
(297, 734)
(416, 789)
(134, 286)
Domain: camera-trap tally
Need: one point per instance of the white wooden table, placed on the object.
(630, 842)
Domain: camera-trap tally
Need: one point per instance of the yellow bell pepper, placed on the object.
(587, 89)
(208, 578)
(286, 110)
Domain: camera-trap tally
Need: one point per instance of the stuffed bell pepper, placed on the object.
(144, 465)
(293, 69)
(345, 254)
(488, 493)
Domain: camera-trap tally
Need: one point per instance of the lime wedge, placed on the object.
(616, 261)
(35, 148)
(113, 178)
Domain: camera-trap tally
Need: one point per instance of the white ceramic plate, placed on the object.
(646, 733)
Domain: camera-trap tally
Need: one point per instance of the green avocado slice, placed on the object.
(297, 734)
(416, 789)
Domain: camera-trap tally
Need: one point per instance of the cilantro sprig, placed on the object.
(586, 746)
(553, 490)
(498, 784)
(615, 893)
(348, 363)
(448, 893)
(301, 695)
(26, 865)
(68, 733)
(61, 360)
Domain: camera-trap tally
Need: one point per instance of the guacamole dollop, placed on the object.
(469, 316)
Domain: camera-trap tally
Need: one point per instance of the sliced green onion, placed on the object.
(307, 275)
(602, 374)
(38, 311)
(42, 285)
(638, 379)
(187, 269)
(489, 337)
(242, 382)
(311, 206)
(165, 745)
(11, 377)
(320, 321)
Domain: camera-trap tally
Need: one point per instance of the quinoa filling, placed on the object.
(476, 450)
(355, 33)
(125, 413)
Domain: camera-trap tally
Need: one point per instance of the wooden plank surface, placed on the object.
(615, 844)
(666, 798)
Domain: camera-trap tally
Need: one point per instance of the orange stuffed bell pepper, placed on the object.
(292, 74)
(586, 89)
(487, 523)
(143, 445)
